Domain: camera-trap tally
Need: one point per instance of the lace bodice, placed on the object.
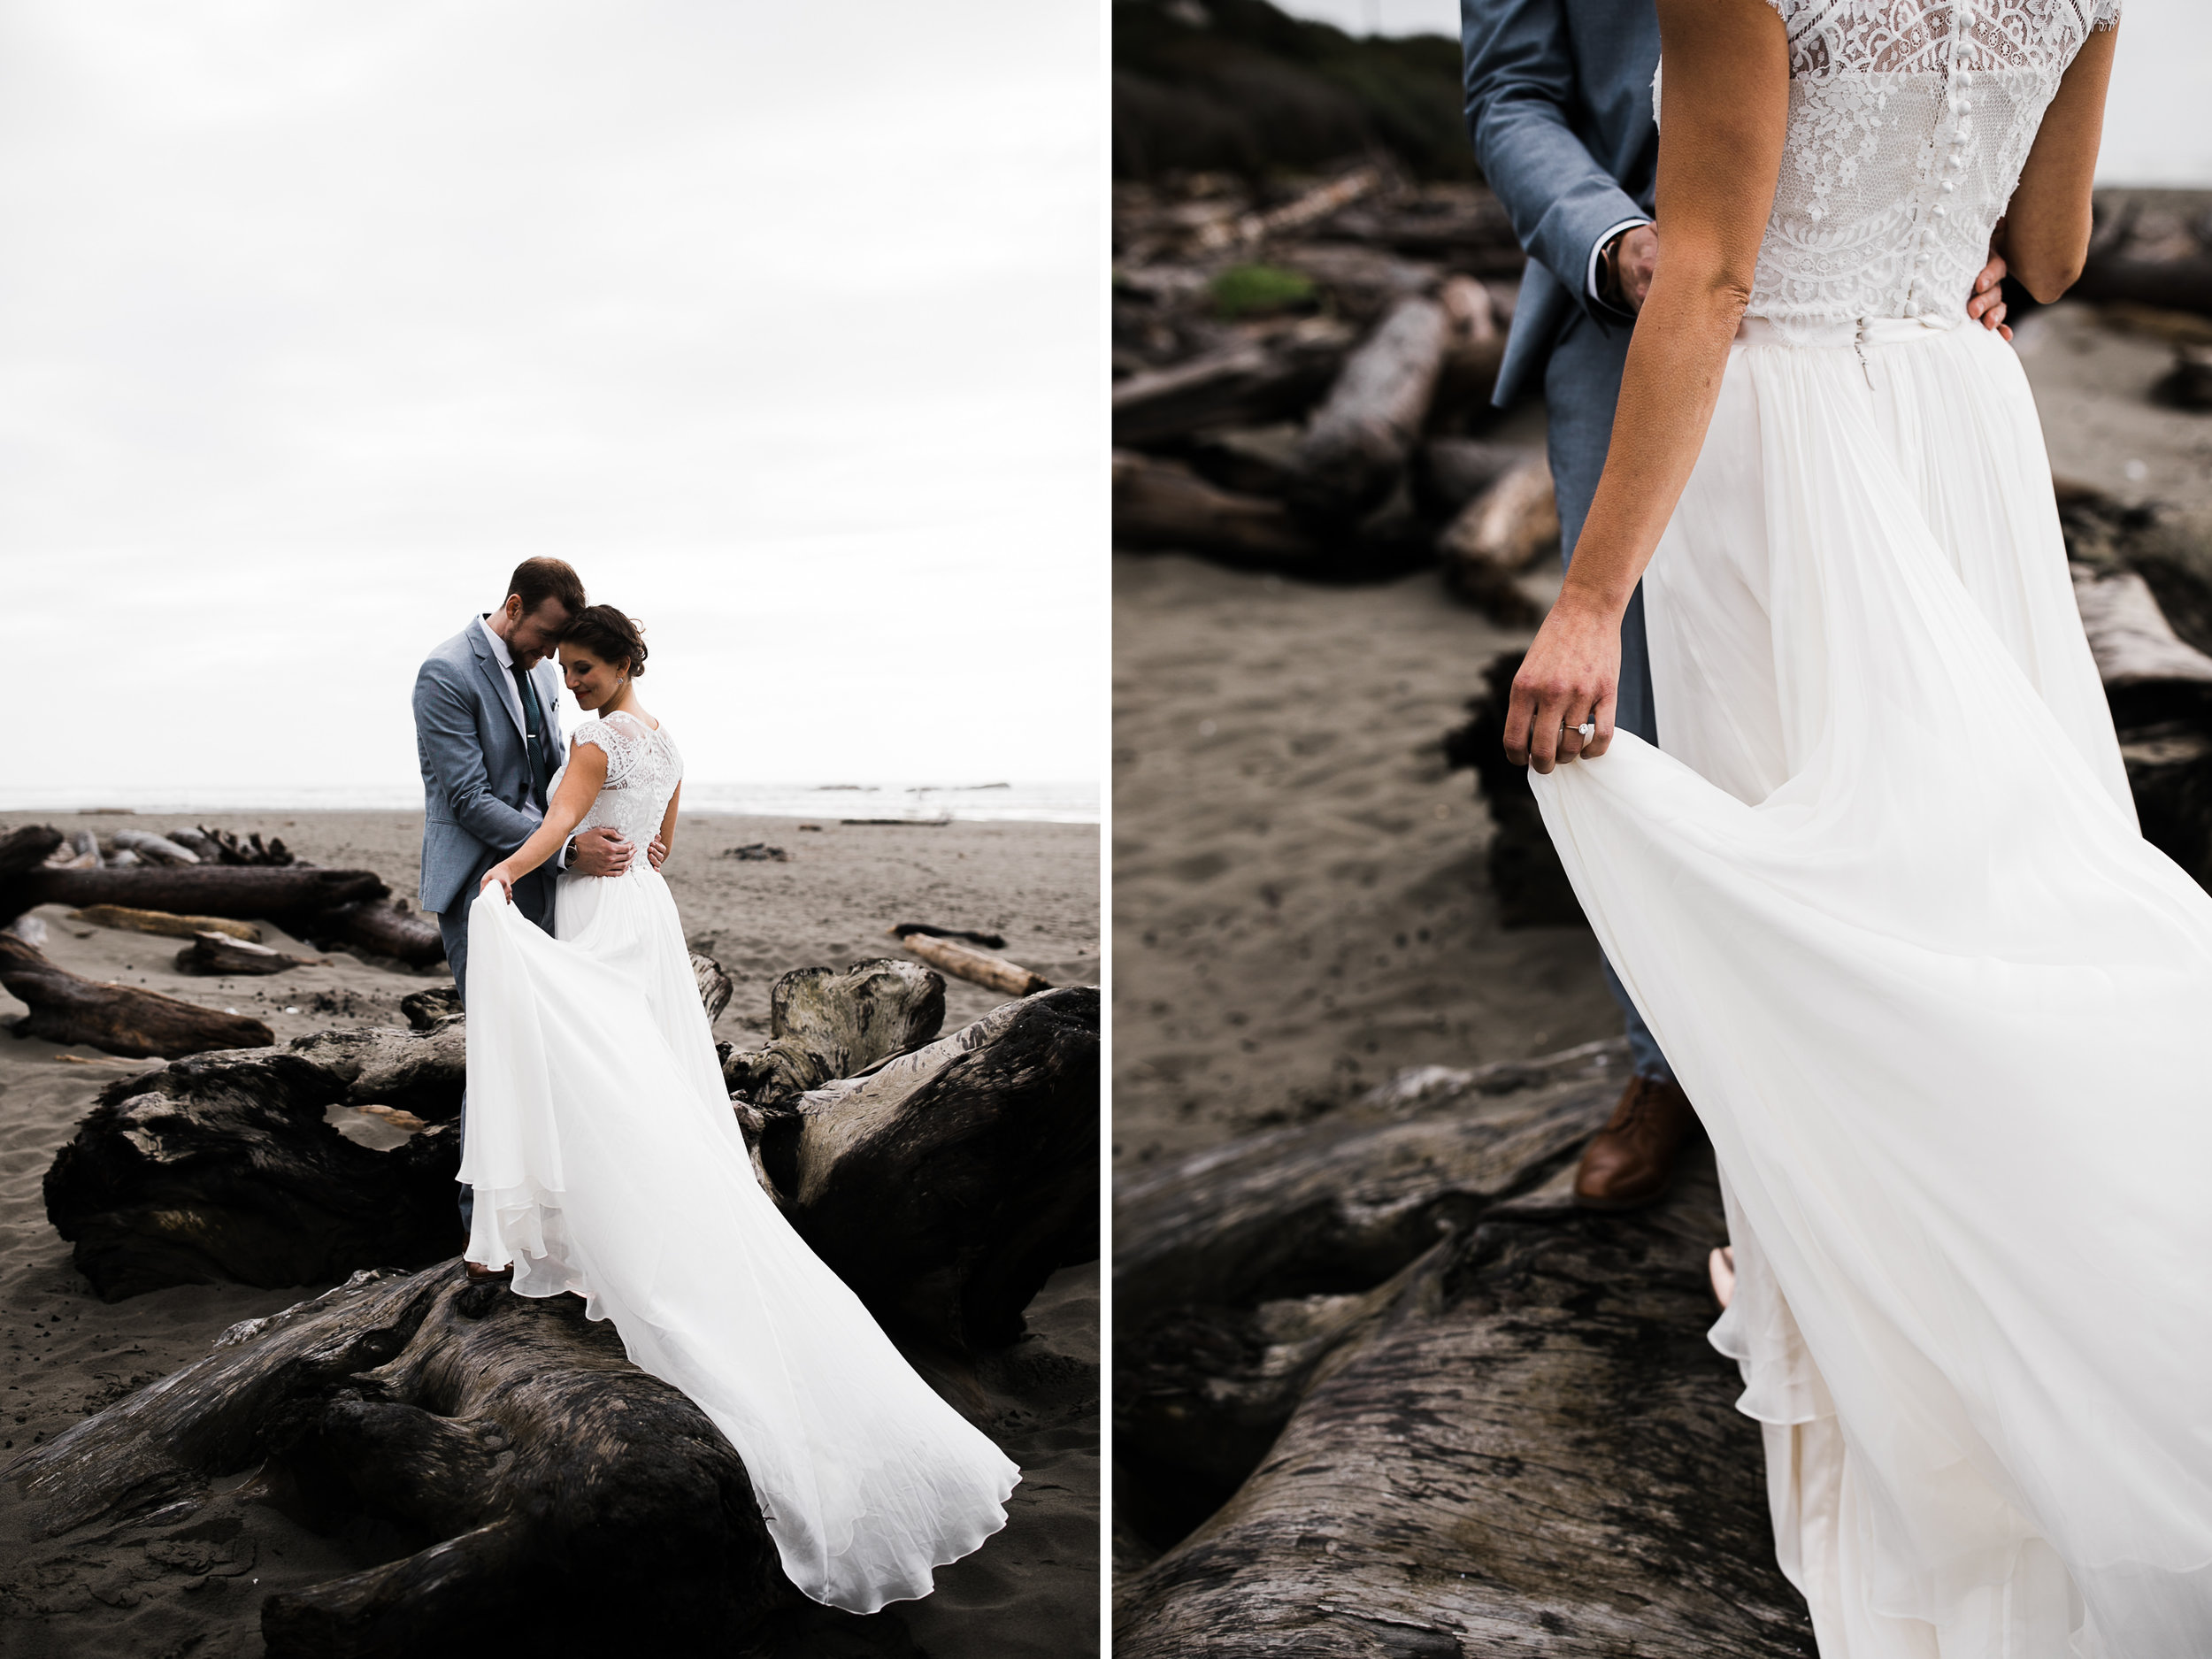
(643, 770)
(1909, 121)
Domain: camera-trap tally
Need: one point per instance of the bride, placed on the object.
(607, 1162)
(1883, 899)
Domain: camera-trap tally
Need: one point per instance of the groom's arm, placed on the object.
(447, 727)
(1519, 87)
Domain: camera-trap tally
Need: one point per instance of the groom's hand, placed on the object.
(655, 852)
(1635, 257)
(602, 851)
(1986, 304)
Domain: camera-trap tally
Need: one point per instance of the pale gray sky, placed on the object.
(2155, 132)
(782, 322)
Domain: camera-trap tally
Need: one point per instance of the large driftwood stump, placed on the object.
(122, 1019)
(576, 1502)
(1428, 1407)
(1355, 449)
(949, 1185)
(225, 1167)
(824, 1025)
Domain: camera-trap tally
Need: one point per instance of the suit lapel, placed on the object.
(496, 678)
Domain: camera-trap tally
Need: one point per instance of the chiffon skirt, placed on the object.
(1884, 902)
(607, 1162)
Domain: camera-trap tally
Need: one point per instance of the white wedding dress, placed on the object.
(1884, 902)
(607, 1161)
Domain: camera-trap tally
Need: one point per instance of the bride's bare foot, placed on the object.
(1720, 1266)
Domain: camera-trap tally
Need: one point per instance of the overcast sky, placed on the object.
(2154, 130)
(782, 322)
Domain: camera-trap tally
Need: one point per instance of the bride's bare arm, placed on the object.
(2045, 236)
(580, 784)
(1725, 111)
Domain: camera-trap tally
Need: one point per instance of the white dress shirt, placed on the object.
(1590, 280)
(567, 855)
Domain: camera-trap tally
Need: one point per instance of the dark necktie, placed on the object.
(533, 724)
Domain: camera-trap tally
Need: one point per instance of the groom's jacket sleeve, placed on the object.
(1520, 99)
(453, 752)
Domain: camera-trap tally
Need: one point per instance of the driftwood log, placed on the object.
(156, 849)
(1496, 536)
(978, 967)
(244, 892)
(227, 1166)
(214, 954)
(824, 1025)
(715, 986)
(28, 848)
(989, 941)
(381, 926)
(123, 1019)
(568, 1499)
(949, 1184)
(1355, 449)
(1382, 1389)
(163, 924)
(1523, 1443)
(1164, 504)
(1245, 383)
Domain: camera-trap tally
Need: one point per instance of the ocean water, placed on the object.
(1032, 803)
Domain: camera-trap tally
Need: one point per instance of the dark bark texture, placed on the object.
(123, 1019)
(946, 1191)
(224, 1167)
(824, 1024)
(561, 1497)
(1431, 1409)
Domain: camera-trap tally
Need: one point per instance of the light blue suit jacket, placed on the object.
(479, 798)
(1559, 108)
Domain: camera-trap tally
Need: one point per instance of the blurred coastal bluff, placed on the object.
(1379, 1387)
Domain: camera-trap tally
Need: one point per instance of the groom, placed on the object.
(489, 737)
(1559, 108)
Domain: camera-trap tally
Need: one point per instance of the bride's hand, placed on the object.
(1574, 668)
(504, 877)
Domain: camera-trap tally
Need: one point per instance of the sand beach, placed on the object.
(1031, 1590)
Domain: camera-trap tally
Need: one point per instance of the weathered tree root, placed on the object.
(125, 1019)
(1527, 1445)
(824, 1024)
(949, 1186)
(578, 1501)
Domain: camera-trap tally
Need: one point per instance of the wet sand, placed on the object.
(196, 1587)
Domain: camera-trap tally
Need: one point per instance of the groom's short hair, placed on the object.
(537, 581)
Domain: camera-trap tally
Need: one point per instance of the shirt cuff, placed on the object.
(1590, 278)
(567, 854)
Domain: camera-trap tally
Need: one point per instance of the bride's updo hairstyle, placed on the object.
(610, 635)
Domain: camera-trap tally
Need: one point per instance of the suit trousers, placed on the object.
(1582, 383)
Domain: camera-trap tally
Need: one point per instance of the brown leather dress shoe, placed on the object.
(479, 1273)
(1631, 1161)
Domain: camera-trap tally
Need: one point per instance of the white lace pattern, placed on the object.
(1909, 121)
(643, 770)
